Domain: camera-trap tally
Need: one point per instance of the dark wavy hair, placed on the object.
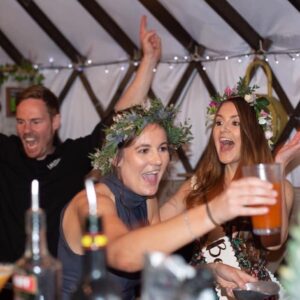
(254, 149)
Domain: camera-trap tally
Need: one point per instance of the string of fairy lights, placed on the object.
(269, 56)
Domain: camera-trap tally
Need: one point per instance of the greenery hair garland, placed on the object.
(130, 123)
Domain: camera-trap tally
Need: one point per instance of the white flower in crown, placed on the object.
(262, 121)
(211, 117)
(268, 134)
(117, 117)
(250, 98)
(263, 117)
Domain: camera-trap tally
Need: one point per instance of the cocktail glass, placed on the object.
(269, 223)
(6, 270)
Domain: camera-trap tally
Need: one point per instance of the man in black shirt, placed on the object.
(59, 168)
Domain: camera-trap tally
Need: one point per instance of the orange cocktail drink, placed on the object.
(6, 271)
(269, 223)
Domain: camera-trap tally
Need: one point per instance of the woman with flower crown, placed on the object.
(241, 135)
(133, 160)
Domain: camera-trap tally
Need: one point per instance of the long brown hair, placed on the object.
(254, 149)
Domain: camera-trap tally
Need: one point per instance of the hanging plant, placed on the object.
(23, 72)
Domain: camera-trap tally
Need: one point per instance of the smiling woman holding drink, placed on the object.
(241, 135)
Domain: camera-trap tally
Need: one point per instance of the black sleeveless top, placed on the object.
(132, 210)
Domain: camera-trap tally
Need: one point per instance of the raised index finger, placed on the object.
(143, 26)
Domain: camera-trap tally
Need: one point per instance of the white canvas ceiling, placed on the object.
(277, 20)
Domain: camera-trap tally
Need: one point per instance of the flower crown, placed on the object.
(130, 123)
(259, 103)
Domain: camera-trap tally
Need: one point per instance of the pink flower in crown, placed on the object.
(264, 113)
(213, 104)
(228, 92)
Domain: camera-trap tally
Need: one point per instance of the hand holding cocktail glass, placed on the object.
(269, 223)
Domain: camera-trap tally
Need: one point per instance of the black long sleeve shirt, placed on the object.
(61, 177)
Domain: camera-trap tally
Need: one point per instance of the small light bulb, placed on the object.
(226, 57)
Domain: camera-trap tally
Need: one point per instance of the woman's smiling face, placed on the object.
(143, 163)
(227, 134)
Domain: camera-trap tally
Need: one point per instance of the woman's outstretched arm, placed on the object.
(126, 251)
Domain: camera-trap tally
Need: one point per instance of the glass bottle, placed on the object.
(95, 283)
(37, 275)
